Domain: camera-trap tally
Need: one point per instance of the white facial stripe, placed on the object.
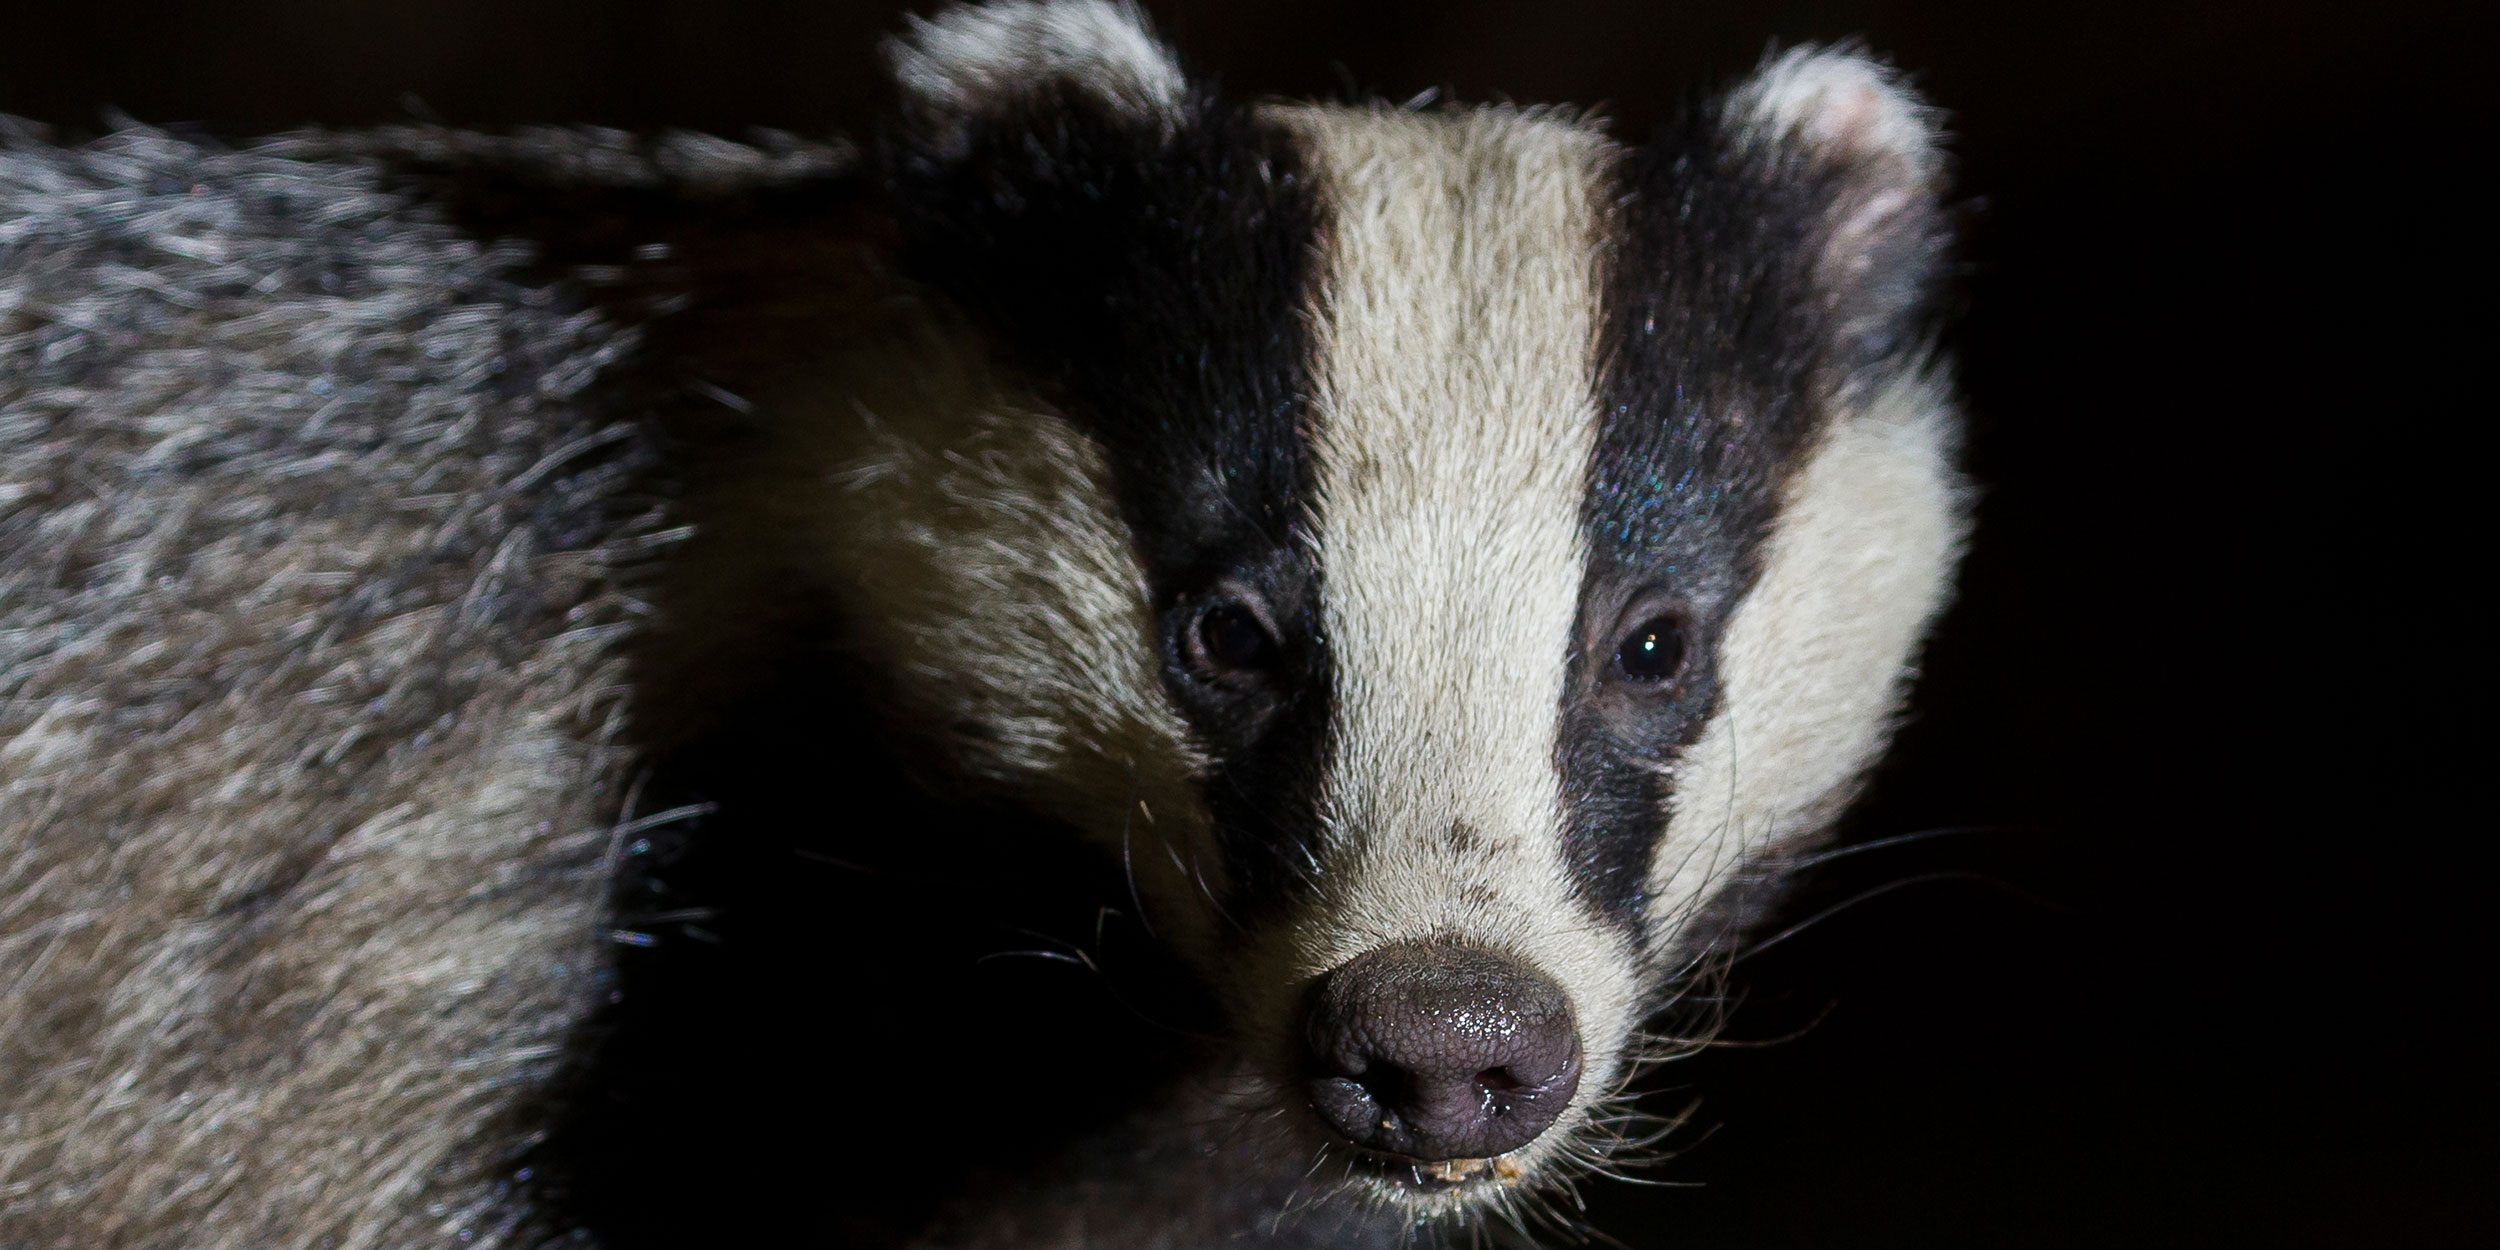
(1455, 420)
(1813, 662)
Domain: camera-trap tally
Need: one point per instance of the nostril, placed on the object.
(1437, 1050)
(1390, 1084)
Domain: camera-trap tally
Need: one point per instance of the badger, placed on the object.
(1447, 559)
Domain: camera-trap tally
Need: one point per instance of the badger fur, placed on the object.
(1446, 559)
(308, 693)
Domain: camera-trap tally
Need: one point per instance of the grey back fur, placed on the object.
(314, 544)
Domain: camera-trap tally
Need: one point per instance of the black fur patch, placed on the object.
(1154, 284)
(1725, 346)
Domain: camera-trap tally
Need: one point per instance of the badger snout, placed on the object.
(1433, 1051)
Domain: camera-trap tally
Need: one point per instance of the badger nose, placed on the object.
(1440, 1050)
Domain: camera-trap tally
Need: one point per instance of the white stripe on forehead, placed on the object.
(1455, 416)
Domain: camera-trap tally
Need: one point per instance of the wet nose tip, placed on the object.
(1440, 1050)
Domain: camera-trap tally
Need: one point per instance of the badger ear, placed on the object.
(1053, 171)
(1856, 153)
(976, 64)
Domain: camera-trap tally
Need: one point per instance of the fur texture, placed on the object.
(1456, 422)
(970, 537)
(311, 531)
(976, 62)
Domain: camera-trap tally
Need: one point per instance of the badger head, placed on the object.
(1443, 552)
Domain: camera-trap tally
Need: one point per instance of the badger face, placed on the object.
(1439, 551)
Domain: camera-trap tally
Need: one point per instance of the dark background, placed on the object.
(2204, 967)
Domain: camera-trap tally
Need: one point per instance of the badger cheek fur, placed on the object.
(970, 533)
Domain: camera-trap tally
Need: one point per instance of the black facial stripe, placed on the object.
(1712, 335)
(1156, 284)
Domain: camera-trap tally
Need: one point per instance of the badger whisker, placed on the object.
(1855, 900)
(1855, 849)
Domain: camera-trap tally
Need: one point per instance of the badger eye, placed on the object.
(1653, 651)
(1228, 637)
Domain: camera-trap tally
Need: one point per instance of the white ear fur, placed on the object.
(1867, 148)
(975, 60)
(1840, 105)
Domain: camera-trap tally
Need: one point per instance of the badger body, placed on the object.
(1443, 560)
